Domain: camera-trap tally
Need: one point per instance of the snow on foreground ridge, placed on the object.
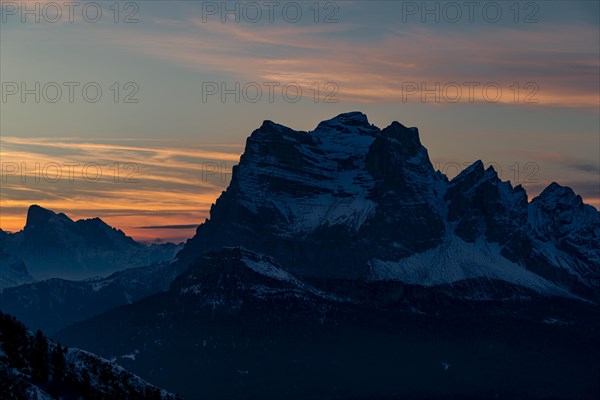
(461, 261)
(35, 367)
(82, 360)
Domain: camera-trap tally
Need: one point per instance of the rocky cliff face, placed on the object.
(346, 186)
(348, 197)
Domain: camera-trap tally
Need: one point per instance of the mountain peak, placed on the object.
(476, 169)
(77, 249)
(346, 122)
(269, 125)
(555, 188)
(407, 137)
(560, 195)
(473, 175)
(38, 215)
(95, 221)
(356, 191)
(352, 118)
(491, 173)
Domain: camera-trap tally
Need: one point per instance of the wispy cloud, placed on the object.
(129, 185)
(585, 167)
(559, 62)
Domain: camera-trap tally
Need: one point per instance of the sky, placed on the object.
(135, 112)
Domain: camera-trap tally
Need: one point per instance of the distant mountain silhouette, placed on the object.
(13, 271)
(53, 304)
(54, 246)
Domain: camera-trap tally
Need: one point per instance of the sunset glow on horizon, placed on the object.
(178, 90)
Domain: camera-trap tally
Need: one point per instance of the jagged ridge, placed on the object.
(332, 202)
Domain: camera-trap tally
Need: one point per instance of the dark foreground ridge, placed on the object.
(33, 367)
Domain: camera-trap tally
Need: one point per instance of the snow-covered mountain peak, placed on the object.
(325, 203)
(349, 119)
(269, 125)
(476, 174)
(476, 167)
(408, 138)
(469, 176)
(558, 211)
(555, 195)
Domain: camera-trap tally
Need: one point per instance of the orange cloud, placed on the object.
(155, 185)
(379, 71)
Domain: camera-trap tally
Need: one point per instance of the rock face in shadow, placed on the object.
(53, 304)
(347, 186)
(236, 325)
(333, 202)
(13, 271)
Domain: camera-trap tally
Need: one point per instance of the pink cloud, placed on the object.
(379, 71)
